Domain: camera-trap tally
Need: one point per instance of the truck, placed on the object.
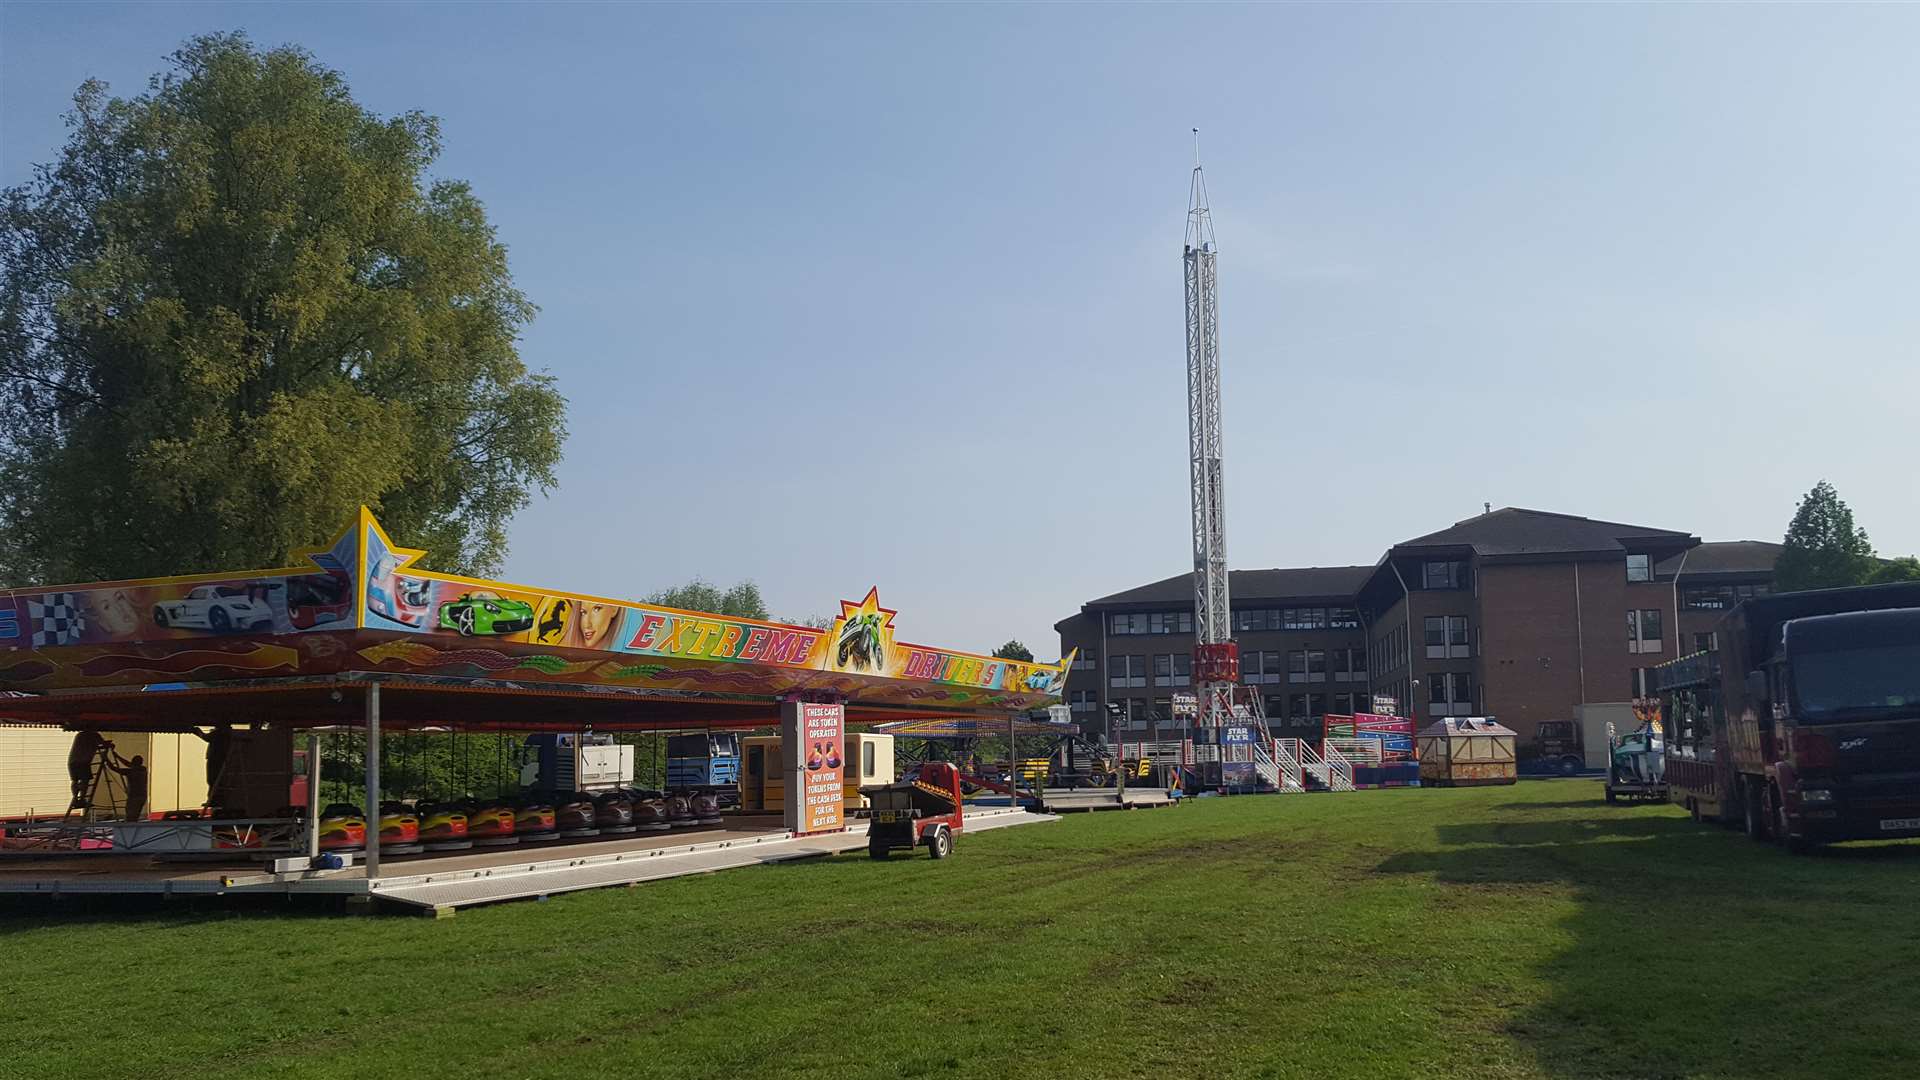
(1557, 746)
(1804, 727)
(1636, 764)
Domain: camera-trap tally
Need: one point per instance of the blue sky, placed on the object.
(845, 295)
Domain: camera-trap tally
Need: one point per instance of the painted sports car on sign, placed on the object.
(214, 607)
(483, 614)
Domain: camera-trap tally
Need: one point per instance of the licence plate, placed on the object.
(1896, 824)
(891, 815)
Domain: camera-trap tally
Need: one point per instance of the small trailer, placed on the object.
(924, 808)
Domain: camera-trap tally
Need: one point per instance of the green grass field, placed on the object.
(1500, 932)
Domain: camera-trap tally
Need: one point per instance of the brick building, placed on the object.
(1519, 614)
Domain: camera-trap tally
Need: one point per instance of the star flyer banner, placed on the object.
(815, 738)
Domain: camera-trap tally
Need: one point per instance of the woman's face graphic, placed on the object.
(116, 614)
(596, 624)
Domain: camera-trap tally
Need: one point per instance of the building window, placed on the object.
(1450, 693)
(1173, 669)
(1170, 622)
(1260, 667)
(1643, 631)
(1707, 642)
(1349, 665)
(1304, 618)
(1446, 636)
(1444, 575)
(1641, 682)
(1081, 701)
(1126, 672)
(1307, 666)
(1085, 662)
(1639, 568)
(1343, 618)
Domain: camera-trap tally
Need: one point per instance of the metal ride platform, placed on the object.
(441, 883)
(1070, 800)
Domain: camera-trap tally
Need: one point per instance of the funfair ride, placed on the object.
(1216, 659)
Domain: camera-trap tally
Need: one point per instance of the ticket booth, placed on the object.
(763, 774)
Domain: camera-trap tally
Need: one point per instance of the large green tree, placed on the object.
(1823, 549)
(236, 307)
(742, 601)
(1014, 650)
(1906, 568)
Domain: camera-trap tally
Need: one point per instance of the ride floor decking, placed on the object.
(442, 882)
(1059, 800)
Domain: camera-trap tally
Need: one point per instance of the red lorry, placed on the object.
(1805, 726)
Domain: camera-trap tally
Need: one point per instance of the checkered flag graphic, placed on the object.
(56, 620)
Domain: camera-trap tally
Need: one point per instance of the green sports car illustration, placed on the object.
(477, 613)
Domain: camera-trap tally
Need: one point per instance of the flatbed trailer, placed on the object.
(924, 809)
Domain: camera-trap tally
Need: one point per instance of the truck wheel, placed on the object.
(1611, 797)
(1570, 765)
(940, 845)
(876, 850)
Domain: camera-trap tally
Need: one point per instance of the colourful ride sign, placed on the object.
(362, 605)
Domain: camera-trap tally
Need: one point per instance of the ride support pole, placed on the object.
(373, 782)
(313, 795)
(1013, 768)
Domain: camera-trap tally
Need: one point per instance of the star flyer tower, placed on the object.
(1216, 658)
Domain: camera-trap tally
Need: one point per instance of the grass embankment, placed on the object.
(1507, 932)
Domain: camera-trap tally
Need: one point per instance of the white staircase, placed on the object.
(1278, 770)
(1282, 768)
(1326, 766)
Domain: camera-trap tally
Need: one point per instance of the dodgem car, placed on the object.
(343, 827)
(484, 614)
(214, 607)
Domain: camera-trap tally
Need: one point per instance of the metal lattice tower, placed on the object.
(1211, 615)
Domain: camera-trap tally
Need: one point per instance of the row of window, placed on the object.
(1151, 622)
(1305, 666)
(1169, 669)
(1297, 618)
(1181, 622)
(1719, 597)
(1126, 672)
(1138, 712)
(1391, 648)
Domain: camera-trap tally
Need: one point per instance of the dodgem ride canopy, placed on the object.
(299, 645)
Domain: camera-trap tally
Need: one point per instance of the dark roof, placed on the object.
(1307, 582)
(1725, 557)
(1516, 531)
